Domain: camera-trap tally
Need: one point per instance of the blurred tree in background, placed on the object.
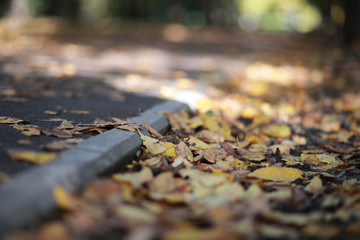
(329, 16)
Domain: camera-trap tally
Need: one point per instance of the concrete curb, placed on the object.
(28, 197)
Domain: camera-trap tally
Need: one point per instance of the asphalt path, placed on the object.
(31, 97)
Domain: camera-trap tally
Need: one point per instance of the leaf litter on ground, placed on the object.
(277, 163)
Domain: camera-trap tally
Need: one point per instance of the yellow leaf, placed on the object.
(251, 139)
(153, 145)
(198, 143)
(258, 147)
(277, 130)
(31, 156)
(239, 164)
(183, 150)
(282, 174)
(156, 148)
(210, 122)
(146, 139)
(292, 160)
(195, 122)
(170, 149)
(63, 199)
(329, 159)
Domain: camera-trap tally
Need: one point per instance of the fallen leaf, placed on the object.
(170, 149)
(156, 148)
(152, 131)
(315, 186)
(10, 120)
(28, 130)
(51, 113)
(31, 156)
(329, 159)
(198, 143)
(146, 139)
(177, 122)
(66, 125)
(253, 156)
(292, 160)
(282, 174)
(214, 154)
(184, 151)
(63, 199)
(163, 183)
(136, 179)
(24, 142)
(80, 112)
(55, 132)
(277, 131)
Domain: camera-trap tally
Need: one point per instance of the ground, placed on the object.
(271, 149)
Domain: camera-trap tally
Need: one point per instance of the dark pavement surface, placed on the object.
(28, 97)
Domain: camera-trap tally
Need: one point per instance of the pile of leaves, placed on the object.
(211, 178)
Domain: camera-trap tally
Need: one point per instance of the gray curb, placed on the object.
(28, 197)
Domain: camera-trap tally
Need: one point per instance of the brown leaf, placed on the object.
(163, 183)
(56, 133)
(183, 150)
(152, 131)
(228, 149)
(214, 154)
